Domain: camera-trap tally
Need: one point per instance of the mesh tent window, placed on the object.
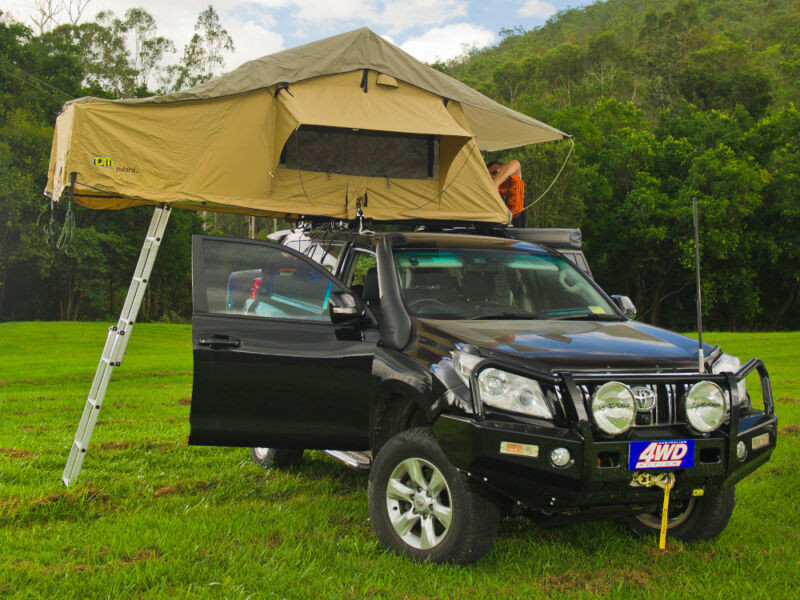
(362, 152)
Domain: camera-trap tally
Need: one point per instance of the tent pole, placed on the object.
(116, 343)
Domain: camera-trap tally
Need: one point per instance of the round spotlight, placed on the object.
(614, 407)
(560, 457)
(706, 406)
(741, 450)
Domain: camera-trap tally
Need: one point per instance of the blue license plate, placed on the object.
(661, 454)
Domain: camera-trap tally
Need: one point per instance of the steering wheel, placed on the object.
(416, 304)
(563, 280)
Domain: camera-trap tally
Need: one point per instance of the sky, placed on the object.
(429, 30)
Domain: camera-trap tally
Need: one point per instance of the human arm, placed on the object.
(512, 167)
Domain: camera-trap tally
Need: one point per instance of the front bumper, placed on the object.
(598, 475)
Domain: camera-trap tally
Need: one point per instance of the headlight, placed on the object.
(613, 407)
(730, 364)
(513, 393)
(706, 406)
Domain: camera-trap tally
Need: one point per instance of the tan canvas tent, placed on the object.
(319, 130)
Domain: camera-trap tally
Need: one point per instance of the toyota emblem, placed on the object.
(645, 399)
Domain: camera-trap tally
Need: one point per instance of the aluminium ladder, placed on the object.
(116, 343)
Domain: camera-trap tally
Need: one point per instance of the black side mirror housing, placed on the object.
(346, 308)
(626, 305)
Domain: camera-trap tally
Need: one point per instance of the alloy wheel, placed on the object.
(419, 503)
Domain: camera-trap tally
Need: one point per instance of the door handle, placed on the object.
(219, 341)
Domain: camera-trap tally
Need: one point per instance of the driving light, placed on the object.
(705, 406)
(730, 364)
(514, 393)
(613, 407)
(560, 457)
(741, 450)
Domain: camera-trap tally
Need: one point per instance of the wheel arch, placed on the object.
(398, 407)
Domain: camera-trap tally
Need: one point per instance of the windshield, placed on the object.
(452, 283)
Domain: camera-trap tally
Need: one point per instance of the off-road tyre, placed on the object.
(276, 457)
(702, 518)
(474, 514)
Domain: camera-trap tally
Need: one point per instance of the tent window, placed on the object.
(362, 152)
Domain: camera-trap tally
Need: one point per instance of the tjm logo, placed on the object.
(661, 455)
(103, 161)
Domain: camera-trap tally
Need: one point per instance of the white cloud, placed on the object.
(399, 15)
(324, 10)
(392, 15)
(537, 9)
(449, 41)
(252, 41)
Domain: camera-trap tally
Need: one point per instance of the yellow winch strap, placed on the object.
(662, 540)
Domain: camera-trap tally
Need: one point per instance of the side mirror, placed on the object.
(626, 305)
(345, 308)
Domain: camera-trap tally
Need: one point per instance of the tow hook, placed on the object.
(665, 481)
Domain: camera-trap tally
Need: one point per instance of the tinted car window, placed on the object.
(265, 282)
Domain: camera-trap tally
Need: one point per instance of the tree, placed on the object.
(202, 56)
(508, 77)
(148, 47)
(46, 13)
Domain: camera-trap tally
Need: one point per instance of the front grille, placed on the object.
(665, 399)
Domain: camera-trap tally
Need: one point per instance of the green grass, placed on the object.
(152, 517)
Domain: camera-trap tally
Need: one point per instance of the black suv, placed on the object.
(475, 376)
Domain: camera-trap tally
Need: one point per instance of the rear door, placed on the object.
(270, 369)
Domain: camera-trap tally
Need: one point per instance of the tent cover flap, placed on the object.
(364, 49)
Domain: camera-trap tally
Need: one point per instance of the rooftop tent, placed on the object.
(314, 130)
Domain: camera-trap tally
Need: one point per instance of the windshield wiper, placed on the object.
(588, 316)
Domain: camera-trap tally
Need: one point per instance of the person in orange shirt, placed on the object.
(507, 178)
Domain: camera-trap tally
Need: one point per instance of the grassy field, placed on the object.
(152, 517)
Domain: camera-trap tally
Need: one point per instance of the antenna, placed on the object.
(700, 359)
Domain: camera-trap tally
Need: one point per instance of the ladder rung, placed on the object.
(78, 446)
(140, 279)
(93, 402)
(110, 363)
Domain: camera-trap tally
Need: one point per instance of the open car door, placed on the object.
(270, 368)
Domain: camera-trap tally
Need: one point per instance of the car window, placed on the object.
(364, 261)
(259, 281)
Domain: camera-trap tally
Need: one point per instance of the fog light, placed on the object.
(741, 450)
(560, 457)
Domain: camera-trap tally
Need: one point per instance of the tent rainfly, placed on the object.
(344, 127)
(323, 129)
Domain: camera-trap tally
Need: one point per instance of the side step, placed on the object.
(353, 459)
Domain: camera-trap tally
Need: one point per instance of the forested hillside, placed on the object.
(666, 100)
